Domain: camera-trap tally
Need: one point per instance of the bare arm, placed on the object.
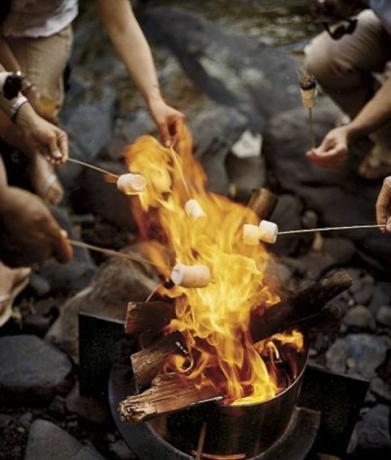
(133, 49)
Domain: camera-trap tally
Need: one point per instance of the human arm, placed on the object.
(335, 147)
(133, 49)
(28, 232)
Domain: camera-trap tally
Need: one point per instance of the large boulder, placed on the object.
(47, 442)
(32, 371)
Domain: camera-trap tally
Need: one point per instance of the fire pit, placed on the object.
(221, 354)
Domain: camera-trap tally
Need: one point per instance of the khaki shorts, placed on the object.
(43, 60)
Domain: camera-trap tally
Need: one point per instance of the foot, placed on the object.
(45, 181)
(376, 165)
(9, 280)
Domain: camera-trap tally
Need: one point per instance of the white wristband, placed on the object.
(16, 105)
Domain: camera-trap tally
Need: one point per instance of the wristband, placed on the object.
(17, 103)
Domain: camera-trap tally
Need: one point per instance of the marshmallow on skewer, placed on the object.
(251, 234)
(194, 209)
(129, 184)
(308, 89)
(269, 231)
(190, 276)
(266, 232)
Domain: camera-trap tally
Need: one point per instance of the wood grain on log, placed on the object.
(148, 362)
(142, 316)
(168, 393)
(303, 306)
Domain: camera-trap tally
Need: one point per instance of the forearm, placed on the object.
(7, 58)
(374, 115)
(131, 45)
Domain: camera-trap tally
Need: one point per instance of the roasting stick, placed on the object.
(330, 229)
(91, 166)
(178, 167)
(111, 252)
(129, 183)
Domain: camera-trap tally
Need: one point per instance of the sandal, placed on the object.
(8, 299)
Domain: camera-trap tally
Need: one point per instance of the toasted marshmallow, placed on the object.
(269, 231)
(190, 276)
(251, 234)
(308, 97)
(129, 184)
(194, 209)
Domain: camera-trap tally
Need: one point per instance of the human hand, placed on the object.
(43, 137)
(383, 205)
(28, 232)
(333, 151)
(166, 119)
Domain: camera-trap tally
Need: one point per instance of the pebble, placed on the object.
(384, 316)
(359, 317)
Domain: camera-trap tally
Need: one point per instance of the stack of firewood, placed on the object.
(165, 393)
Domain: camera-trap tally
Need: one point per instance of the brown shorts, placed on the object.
(43, 60)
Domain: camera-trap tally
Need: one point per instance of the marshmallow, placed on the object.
(251, 234)
(131, 183)
(193, 209)
(266, 232)
(308, 97)
(190, 276)
(269, 231)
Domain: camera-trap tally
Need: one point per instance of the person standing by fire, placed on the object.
(344, 59)
(36, 38)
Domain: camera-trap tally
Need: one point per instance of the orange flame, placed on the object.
(213, 320)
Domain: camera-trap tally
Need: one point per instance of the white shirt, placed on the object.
(39, 18)
(382, 8)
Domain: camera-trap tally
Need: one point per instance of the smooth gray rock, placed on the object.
(117, 282)
(383, 316)
(121, 450)
(48, 442)
(373, 433)
(368, 352)
(32, 371)
(359, 317)
(337, 355)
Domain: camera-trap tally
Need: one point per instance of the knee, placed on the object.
(320, 63)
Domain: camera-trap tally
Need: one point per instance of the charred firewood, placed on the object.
(304, 306)
(263, 202)
(142, 316)
(148, 362)
(168, 393)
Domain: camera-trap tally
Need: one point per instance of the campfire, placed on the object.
(214, 329)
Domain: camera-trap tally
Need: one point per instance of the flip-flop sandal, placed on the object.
(9, 299)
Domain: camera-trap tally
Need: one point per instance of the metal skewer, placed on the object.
(330, 229)
(111, 252)
(91, 166)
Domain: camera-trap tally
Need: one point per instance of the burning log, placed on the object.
(168, 393)
(148, 362)
(142, 316)
(263, 202)
(303, 306)
(306, 309)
